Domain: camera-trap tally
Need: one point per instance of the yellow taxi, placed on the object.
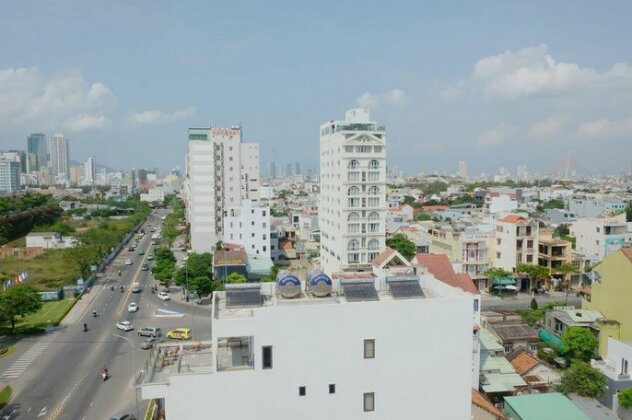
(180, 334)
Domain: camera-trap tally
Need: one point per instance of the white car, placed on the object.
(163, 296)
(132, 307)
(125, 326)
(128, 261)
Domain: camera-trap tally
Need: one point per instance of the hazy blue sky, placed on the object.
(497, 83)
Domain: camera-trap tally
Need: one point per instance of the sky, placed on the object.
(494, 83)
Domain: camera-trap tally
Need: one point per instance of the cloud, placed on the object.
(496, 135)
(62, 102)
(546, 128)
(393, 97)
(533, 71)
(87, 122)
(161, 117)
(604, 128)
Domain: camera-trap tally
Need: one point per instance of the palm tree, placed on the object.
(567, 269)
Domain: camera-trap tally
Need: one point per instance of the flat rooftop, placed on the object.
(240, 300)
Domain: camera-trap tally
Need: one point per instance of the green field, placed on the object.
(51, 313)
(5, 396)
(48, 271)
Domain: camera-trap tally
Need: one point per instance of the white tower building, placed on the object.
(90, 171)
(352, 209)
(221, 171)
(59, 157)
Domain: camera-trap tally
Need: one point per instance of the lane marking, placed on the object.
(42, 412)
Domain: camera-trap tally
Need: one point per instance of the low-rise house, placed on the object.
(389, 263)
(560, 318)
(552, 405)
(484, 409)
(227, 262)
(498, 378)
(538, 375)
(49, 240)
(598, 237)
(514, 335)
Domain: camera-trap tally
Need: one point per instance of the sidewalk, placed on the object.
(82, 305)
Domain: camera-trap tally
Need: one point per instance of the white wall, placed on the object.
(201, 195)
(422, 364)
(249, 226)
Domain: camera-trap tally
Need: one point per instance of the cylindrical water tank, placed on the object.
(288, 285)
(319, 283)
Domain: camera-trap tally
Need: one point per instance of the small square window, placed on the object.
(369, 349)
(302, 391)
(369, 401)
(332, 388)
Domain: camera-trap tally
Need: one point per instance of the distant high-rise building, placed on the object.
(59, 157)
(9, 173)
(521, 172)
(272, 170)
(76, 174)
(221, 171)
(297, 168)
(463, 168)
(288, 170)
(352, 207)
(90, 171)
(36, 144)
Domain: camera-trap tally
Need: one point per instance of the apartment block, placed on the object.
(516, 242)
(221, 171)
(249, 227)
(352, 207)
(598, 237)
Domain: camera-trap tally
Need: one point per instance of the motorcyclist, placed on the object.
(85, 327)
(119, 273)
(94, 313)
(105, 374)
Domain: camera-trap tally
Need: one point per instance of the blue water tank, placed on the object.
(319, 283)
(288, 285)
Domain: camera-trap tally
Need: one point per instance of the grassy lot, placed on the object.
(9, 350)
(48, 271)
(5, 396)
(50, 313)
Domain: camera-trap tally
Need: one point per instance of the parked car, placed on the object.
(148, 343)
(132, 307)
(125, 326)
(128, 261)
(163, 296)
(150, 332)
(141, 252)
(180, 334)
(131, 249)
(145, 267)
(150, 257)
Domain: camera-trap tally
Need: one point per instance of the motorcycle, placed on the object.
(94, 314)
(121, 289)
(85, 327)
(105, 374)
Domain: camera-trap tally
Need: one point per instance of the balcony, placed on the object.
(234, 353)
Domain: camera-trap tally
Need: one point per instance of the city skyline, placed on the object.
(507, 85)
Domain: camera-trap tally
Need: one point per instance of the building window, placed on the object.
(374, 164)
(353, 216)
(332, 388)
(353, 245)
(533, 347)
(266, 357)
(369, 401)
(369, 349)
(624, 366)
(353, 164)
(302, 391)
(508, 348)
(354, 190)
(374, 245)
(373, 190)
(475, 305)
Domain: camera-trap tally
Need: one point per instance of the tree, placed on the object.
(536, 272)
(423, 216)
(582, 379)
(625, 397)
(579, 343)
(165, 266)
(567, 269)
(534, 304)
(235, 277)
(403, 245)
(561, 230)
(19, 300)
(197, 273)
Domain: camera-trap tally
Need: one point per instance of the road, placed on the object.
(64, 382)
(522, 301)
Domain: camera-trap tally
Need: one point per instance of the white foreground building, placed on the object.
(352, 207)
(381, 350)
(221, 171)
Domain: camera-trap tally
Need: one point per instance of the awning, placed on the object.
(503, 281)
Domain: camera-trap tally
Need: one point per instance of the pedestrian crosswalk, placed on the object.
(27, 358)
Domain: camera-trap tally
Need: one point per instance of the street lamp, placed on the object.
(131, 345)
